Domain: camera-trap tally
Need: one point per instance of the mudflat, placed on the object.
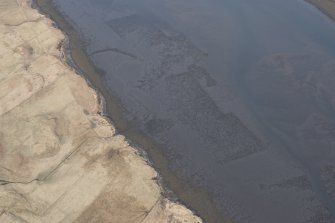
(60, 161)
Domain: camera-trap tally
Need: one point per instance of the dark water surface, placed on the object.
(239, 93)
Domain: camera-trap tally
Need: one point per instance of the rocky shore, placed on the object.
(60, 161)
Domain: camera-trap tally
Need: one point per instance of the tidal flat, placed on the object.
(232, 100)
(61, 160)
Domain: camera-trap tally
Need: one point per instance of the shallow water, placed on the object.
(239, 93)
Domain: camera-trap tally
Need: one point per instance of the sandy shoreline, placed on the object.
(325, 6)
(60, 160)
(196, 198)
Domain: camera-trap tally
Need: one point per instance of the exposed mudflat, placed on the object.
(59, 160)
(238, 94)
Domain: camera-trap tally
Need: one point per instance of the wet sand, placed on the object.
(232, 101)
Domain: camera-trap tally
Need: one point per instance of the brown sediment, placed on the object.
(325, 6)
(60, 160)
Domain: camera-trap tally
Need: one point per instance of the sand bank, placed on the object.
(60, 160)
(326, 6)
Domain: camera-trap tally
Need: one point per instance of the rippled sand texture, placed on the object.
(59, 160)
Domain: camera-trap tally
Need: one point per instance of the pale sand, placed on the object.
(59, 160)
